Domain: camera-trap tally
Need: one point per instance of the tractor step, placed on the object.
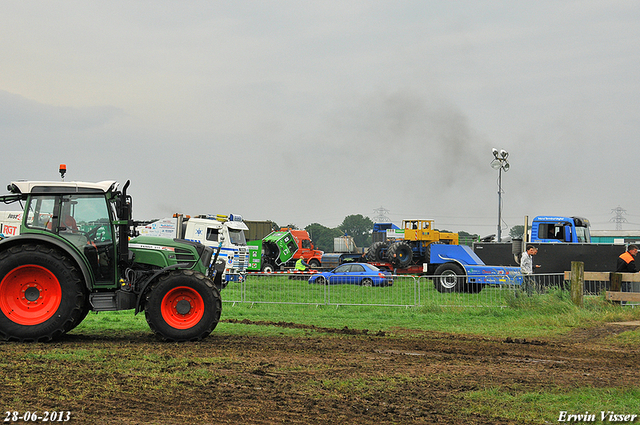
(112, 301)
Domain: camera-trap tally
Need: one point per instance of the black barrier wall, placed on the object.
(554, 257)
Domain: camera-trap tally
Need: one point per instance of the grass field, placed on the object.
(538, 316)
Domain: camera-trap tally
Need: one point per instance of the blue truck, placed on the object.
(456, 268)
(560, 240)
(418, 248)
(556, 229)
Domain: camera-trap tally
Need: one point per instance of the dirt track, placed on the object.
(329, 376)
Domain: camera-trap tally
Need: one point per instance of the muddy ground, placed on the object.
(323, 376)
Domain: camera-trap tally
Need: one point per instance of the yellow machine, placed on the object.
(410, 245)
(422, 230)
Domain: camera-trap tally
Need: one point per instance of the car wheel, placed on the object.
(366, 282)
(320, 280)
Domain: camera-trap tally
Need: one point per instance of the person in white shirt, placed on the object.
(526, 268)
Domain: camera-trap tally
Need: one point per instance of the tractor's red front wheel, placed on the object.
(182, 307)
(30, 294)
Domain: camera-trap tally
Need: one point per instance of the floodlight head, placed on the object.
(505, 166)
(495, 152)
(496, 164)
(504, 154)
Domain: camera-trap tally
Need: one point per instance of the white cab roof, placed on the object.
(28, 186)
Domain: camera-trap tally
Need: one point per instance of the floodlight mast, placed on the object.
(500, 163)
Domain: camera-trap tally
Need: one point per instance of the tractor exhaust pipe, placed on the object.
(124, 225)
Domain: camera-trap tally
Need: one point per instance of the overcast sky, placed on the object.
(306, 112)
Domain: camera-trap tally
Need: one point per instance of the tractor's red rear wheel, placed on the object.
(42, 294)
(30, 294)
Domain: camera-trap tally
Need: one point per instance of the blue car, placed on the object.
(354, 274)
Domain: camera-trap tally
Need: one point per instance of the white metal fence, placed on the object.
(404, 291)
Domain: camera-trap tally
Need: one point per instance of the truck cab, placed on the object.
(272, 252)
(560, 229)
(306, 249)
(225, 232)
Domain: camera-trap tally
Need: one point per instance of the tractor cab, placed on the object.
(79, 213)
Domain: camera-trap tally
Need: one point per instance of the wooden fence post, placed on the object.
(615, 285)
(577, 282)
(615, 282)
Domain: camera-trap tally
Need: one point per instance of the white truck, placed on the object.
(10, 223)
(224, 232)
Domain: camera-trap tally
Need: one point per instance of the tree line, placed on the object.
(360, 229)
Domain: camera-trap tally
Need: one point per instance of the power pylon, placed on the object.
(619, 219)
(381, 216)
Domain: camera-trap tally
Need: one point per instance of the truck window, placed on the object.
(543, 231)
(306, 244)
(583, 234)
(551, 231)
(237, 237)
(212, 234)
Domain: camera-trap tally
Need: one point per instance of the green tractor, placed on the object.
(74, 255)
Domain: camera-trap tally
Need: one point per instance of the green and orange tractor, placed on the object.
(74, 254)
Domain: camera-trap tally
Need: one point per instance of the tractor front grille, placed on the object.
(185, 256)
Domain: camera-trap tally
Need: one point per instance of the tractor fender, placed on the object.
(87, 276)
(152, 278)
